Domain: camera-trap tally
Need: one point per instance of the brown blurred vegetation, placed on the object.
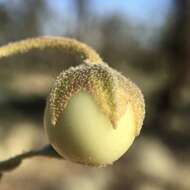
(160, 157)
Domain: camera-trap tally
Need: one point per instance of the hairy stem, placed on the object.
(66, 44)
(12, 163)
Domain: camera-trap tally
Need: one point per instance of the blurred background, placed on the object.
(148, 41)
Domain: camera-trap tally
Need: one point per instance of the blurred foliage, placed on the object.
(157, 60)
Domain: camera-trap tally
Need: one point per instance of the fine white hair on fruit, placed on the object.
(93, 114)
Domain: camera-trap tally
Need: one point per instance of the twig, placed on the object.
(12, 163)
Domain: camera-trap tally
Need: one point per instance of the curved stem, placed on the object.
(12, 163)
(66, 44)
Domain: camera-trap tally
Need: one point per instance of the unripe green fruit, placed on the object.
(93, 114)
(84, 134)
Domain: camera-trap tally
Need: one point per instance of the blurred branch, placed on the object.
(12, 163)
(81, 9)
(177, 47)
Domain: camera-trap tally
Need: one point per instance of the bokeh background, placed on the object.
(148, 41)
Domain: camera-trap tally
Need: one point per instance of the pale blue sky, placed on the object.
(150, 15)
(138, 11)
(153, 11)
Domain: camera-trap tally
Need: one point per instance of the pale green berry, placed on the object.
(93, 114)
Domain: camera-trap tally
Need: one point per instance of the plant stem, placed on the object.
(68, 45)
(62, 43)
(12, 163)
